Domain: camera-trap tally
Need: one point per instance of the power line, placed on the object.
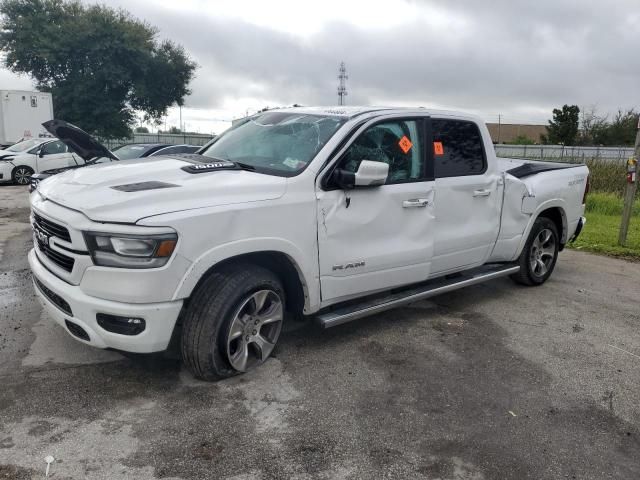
(342, 85)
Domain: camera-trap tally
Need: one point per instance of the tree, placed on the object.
(622, 129)
(522, 140)
(593, 128)
(101, 65)
(598, 130)
(564, 126)
(142, 130)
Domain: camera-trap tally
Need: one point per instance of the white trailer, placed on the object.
(22, 114)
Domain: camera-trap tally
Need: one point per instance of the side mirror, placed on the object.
(369, 174)
(41, 153)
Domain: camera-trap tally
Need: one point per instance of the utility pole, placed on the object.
(342, 85)
(630, 191)
(499, 125)
(181, 129)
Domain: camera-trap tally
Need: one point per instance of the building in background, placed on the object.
(22, 114)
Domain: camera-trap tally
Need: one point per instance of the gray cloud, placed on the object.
(518, 58)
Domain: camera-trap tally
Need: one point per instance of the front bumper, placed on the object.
(6, 168)
(160, 318)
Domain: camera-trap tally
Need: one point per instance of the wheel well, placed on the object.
(278, 263)
(20, 166)
(556, 215)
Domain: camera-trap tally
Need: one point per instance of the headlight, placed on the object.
(130, 251)
(33, 185)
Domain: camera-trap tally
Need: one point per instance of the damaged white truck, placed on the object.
(324, 213)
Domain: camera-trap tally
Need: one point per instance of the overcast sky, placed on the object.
(516, 58)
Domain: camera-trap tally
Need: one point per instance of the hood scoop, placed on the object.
(142, 186)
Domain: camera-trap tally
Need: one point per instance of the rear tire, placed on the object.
(22, 175)
(539, 255)
(232, 322)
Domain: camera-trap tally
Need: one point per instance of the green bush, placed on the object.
(607, 176)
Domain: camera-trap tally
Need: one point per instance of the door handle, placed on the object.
(481, 193)
(415, 202)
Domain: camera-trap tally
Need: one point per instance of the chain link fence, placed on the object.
(607, 165)
(168, 138)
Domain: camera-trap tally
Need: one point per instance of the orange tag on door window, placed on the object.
(438, 149)
(405, 144)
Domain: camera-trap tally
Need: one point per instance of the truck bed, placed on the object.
(520, 168)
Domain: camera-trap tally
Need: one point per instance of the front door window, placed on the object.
(396, 143)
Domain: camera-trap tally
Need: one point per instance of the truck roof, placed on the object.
(356, 111)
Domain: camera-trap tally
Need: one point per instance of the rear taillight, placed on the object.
(586, 191)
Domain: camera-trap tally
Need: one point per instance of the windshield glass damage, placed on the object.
(280, 143)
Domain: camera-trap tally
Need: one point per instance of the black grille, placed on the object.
(56, 299)
(63, 261)
(77, 331)
(52, 229)
(43, 231)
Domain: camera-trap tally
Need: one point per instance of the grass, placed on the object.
(608, 204)
(600, 235)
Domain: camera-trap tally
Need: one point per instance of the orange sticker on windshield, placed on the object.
(405, 144)
(438, 149)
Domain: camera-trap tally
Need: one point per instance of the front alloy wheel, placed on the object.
(22, 175)
(254, 330)
(232, 321)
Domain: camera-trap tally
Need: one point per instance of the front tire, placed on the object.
(232, 322)
(539, 255)
(22, 175)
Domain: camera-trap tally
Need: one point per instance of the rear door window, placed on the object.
(458, 149)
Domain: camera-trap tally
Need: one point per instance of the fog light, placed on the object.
(77, 331)
(121, 325)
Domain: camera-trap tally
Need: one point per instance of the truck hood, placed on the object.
(125, 192)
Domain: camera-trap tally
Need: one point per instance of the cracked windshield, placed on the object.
(276, 143)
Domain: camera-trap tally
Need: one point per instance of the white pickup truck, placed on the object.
(323, 213)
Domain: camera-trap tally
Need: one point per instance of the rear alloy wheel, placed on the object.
(540, 253)
(22, 175)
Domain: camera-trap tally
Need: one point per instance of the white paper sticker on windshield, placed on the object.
(293, 163)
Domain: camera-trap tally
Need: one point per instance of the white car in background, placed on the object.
(21, 147)
(33, 156)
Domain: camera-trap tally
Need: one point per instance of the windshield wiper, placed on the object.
(245, 166)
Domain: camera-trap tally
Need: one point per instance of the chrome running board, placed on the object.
(339, 314)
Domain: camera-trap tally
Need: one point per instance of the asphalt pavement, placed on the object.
(495, 381)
